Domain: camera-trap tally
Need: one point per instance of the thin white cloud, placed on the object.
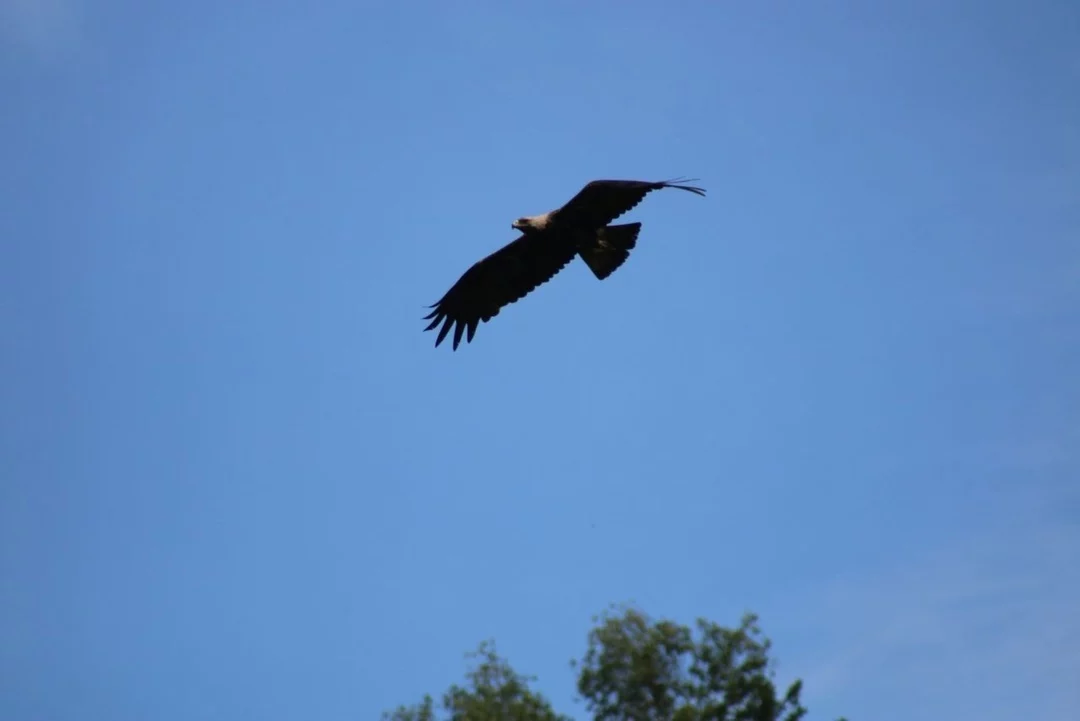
(46, 29)
(986, 630)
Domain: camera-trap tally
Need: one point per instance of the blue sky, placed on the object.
(239, 482)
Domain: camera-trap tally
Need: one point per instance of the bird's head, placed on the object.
(529, 224)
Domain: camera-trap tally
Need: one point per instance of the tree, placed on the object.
(635, 669)
(495, 693)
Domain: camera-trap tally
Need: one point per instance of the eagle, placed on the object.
(547, 243)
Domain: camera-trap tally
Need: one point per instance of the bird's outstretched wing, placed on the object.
(502, 278)
(602, 201)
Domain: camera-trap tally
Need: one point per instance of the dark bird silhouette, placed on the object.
(546, 244)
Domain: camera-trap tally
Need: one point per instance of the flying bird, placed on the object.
(547, 243)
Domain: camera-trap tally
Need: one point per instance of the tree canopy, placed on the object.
(634, 668)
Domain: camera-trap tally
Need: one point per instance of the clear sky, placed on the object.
(239, 482)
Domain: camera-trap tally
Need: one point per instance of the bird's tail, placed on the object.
(611, 249)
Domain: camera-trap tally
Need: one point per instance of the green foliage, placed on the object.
(635, 669)
(495, 693)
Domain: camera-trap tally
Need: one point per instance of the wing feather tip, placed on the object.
(681, 184)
